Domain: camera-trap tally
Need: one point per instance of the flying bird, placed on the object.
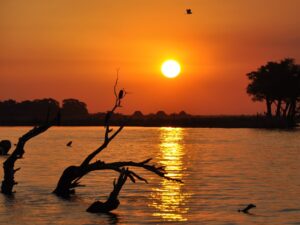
(69, 144)
(188, 11)
(246, 210)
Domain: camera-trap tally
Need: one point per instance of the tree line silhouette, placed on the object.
(40, 110)
(74, 112)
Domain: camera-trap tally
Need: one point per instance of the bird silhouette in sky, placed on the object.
(188, 11)
(69, 144)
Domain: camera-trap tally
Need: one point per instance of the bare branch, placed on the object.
(100, 165)
(8, 166)
(116, 83)
(138, 177)
(98, 150)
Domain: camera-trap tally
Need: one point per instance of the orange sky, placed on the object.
(71, 48)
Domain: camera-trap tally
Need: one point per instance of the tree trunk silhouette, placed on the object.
(278, 109)
(9, 164)
(287, 105)
(269, 107)
(292, 109)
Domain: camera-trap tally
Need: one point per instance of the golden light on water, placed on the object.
(169, 199)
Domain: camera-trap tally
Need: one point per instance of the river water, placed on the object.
(222, 171)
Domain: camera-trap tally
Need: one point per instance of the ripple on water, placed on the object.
(222, 170)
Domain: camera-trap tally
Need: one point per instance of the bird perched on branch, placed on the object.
(121, 94)
(246, 210)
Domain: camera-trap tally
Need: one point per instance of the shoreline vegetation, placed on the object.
(75, 113)
(192, 122)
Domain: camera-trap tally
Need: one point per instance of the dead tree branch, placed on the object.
(65, 185)
(117, 166)
(8, 166)
(112, 201)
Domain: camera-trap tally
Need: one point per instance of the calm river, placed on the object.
(222, 170)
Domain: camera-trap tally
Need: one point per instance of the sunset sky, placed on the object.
(72, 48)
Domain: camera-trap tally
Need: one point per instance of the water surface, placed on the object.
(222, 170)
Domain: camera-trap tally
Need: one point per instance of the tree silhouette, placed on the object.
(73, 108)
(137, 114)
(278, 84)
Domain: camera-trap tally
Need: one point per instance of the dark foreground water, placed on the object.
(222, 169)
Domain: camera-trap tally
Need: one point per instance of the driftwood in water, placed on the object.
(71, 176)
(69, 179)
(9, 164)
(112, 202)
(5, 145)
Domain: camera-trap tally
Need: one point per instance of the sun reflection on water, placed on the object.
(169, 199)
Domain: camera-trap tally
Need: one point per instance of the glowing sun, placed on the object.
(170, 68)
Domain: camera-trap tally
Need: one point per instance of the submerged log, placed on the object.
(69, 180)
